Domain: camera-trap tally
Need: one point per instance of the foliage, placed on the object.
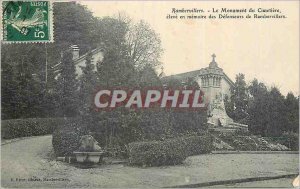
(116, 70)
(9, 92)
(157, 153)
(250, 142)
(65, 139)
(14, 128)
(292, 113)
(289, 139)
(183, 121)
(110, 33)
(168, 152)
(143, 44)
(196, 145)
(239, 99)
(267, 110)
(67, 87)
(174, 83)
(88, 82)
(148, 77)
(34, 68)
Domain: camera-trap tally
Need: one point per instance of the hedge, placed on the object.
(168, 152)
(15, 128)
(196, 145)
(156, 153)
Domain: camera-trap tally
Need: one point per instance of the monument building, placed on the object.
(216, 85)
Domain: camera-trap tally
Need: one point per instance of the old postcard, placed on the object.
(149, 94)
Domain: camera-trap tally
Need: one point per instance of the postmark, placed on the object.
(27, 21)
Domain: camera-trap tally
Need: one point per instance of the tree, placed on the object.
(116, 70)
(258, 107)
(148, 77)
(88, 82)
(143, 45)
(192, 84)
(73, 25)
(267, 110)
(239, 98)
(292, 113)
(68, 87)
(276, 113)
(229, 106)
(110, 33)
(174, 83)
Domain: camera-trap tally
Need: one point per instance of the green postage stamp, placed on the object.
(27, 21)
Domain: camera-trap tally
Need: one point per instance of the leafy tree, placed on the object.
(192, 84)
(68, 87)
(292, 113)
(110, 33)
(276, 113)
(258, 107)
(267, 110)
(143, 45)
(116, 70)
(73, 25)
(229, 106)
(173, 83)
(239, 98)
(148, 77)
(88, 82)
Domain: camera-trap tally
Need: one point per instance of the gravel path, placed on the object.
(29, 159)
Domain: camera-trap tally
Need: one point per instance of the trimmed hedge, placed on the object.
(14, 128)
(196, 145)
(157, 153)
(168, 152)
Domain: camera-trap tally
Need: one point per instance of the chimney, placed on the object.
(75, 51)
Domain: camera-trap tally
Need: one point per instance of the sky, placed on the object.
(266, 49)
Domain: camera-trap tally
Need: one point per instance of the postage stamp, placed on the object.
(27, 21)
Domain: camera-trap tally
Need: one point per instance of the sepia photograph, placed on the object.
(150, 94)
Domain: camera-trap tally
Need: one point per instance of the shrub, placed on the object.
(188, 121)
(65, 140)
(156, 153)
(290, 140)
(15, 128)
(168, 152)
(196, 145)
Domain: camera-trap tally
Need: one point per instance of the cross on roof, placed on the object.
(213, 56)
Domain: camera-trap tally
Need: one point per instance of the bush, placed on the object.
(291, 141)
(114, 130)
(188, 121)
(168, 152)
(156, 153)
(196, 145)
(65, 140)
(15, 128)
